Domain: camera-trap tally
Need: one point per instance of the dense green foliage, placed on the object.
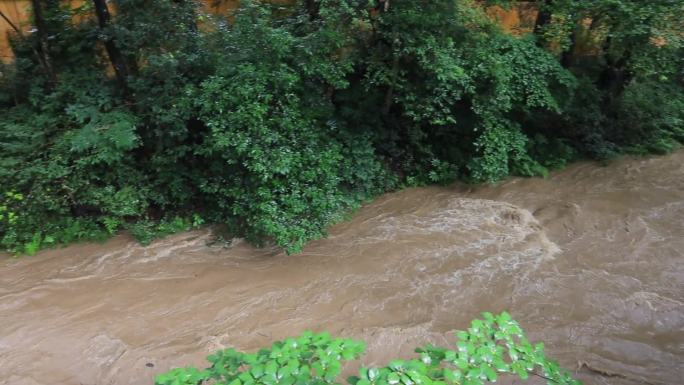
(280, 119)
(491, 347)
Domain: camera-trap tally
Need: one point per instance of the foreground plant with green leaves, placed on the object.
(491, 347)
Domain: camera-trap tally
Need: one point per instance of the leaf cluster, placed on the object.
(491, 347)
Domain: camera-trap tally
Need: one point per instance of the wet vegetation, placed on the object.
(155, 117)
(491, 347)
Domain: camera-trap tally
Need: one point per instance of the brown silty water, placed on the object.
(588, 260)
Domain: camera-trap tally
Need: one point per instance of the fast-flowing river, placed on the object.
(590, 261)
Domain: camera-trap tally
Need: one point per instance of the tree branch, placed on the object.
(14, 27)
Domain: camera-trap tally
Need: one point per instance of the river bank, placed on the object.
(588, 260)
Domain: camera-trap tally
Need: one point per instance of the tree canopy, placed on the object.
(154, 116)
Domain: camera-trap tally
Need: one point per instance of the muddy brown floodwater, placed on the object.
(590, 261)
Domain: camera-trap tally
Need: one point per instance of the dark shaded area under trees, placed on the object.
(155, 117)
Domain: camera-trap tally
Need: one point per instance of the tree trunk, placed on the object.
(115, 56)
(615, 76)
(312, 8)
(389, 94)
(569, 53)
(43, 46)
(543, 18)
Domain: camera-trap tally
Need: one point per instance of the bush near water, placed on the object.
(276, 121)
(493, 346)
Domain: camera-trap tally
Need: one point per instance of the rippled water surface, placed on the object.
(589, 260)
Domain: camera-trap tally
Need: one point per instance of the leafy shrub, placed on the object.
(146, 230)
(275, 164)
(492, 346)
(651, 117)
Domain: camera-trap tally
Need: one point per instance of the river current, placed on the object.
(589, 260)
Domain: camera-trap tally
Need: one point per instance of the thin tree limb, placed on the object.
(14, 27)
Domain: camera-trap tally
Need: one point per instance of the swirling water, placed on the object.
(588, 260)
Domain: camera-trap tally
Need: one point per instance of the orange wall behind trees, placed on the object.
(515, 20)
(518, 19)
(18, 11)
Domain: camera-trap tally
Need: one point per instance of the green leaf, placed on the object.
(257, 371)
(406, 380)
(462, 335)
(491, 374)
(372, 373)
